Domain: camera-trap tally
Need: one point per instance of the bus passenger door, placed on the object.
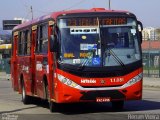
(33, 64)
(51, 61)
(28, 66)
(41, 58)
(14, 65)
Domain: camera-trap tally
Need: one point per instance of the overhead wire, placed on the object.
(29, 14)
(74, 5)
(27, 7)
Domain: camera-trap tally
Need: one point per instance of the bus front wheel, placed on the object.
(54, 107)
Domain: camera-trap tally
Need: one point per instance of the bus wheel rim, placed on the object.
(23, 93)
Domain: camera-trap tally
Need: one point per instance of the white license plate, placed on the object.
(103, 99)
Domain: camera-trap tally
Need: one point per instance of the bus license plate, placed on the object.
(103, 99)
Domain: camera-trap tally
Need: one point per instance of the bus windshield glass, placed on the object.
(98, 42)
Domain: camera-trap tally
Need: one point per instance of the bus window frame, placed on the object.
(40, 38)
(22, 43)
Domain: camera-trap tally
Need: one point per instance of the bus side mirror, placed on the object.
(53, 43)
(140, 29)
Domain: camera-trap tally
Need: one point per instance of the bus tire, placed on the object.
(46, 91)
(47, 97)
(55, 107)
(25, 98)
(52, 106)
(118, 105)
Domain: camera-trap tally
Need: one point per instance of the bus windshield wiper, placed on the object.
(82, 66)
(87, 60)
(116, 58)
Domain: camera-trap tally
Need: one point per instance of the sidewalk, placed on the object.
(3, 75)
(151, 82)
(147, 82)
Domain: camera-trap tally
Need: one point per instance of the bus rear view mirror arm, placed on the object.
(140, 26)
(140, 29)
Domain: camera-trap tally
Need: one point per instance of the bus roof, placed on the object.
(54, 15)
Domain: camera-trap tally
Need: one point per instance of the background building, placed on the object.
(151, 52)
(150, 33)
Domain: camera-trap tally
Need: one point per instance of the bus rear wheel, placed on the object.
(117, 105)
(25, 98)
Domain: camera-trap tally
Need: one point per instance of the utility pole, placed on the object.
(32, 12)
(109, 4)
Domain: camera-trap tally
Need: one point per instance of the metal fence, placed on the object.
(151, 64)
(4, 66)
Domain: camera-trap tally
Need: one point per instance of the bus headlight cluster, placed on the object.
(134, 80)
(67, 81)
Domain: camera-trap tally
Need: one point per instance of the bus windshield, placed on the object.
(98, 42)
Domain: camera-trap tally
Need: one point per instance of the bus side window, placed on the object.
(20, 43)
(40, 39)
(43, 39)
(27, 43)
(37, 40)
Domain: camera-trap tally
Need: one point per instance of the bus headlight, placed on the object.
(64, 80)
(67, 81)
(134, 80)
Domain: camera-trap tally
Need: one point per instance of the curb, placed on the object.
(151, 86)
(151, 82)
(5, 76)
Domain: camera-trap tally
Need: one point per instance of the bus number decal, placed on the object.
(25, 68)
(39, 66)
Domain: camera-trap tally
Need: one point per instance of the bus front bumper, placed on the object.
(73, 95)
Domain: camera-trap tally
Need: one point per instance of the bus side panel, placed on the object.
(52, 65)
(14, 76)
(41, 70)
(26, 69)
(20, 75)
(33, 64)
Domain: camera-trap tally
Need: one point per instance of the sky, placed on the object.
(147, 11)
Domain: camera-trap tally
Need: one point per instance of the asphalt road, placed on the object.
(11, 108)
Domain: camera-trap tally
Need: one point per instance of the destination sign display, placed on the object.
(96, 21)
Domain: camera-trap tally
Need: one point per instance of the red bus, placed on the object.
(79, 56)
